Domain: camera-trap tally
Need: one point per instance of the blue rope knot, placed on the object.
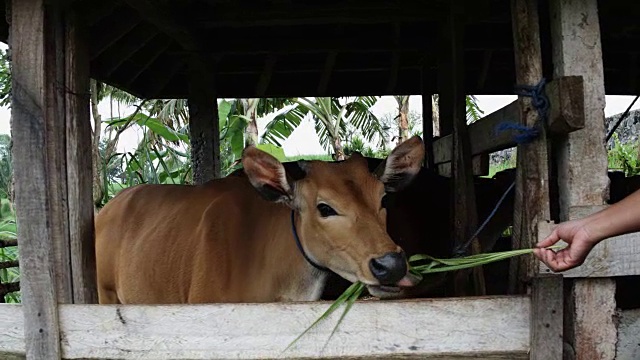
(539, 101)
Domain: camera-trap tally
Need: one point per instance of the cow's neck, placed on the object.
(293, 277)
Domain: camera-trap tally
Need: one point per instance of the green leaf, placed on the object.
(274, 150)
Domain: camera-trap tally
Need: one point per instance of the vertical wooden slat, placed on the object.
(590, 327)
(531, 203)
(79, 164)
(453, 106)
(36, 203)
(427, 119)
(203, 127)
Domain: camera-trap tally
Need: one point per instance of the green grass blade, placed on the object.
(352, 299)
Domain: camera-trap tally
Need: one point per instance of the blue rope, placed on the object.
(540, 101)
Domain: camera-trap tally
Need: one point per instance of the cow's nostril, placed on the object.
(389, 268)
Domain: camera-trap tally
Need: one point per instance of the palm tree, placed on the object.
(403, 117)
(331, 118)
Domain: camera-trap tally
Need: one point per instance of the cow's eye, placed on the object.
(326, 210)
(384, 202)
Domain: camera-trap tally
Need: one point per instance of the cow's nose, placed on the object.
(389, 268)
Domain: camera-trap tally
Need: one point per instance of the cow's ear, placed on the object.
(267, 175)
(402, 165)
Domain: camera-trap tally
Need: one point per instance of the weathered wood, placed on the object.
(487, 328)
(479, 166)
(546, 317)
(566, 96)
(79, 164)
(453, 106)
(203, 129)
(590, 327)
(616, 256)
(265, 77)
(531, 203)
(327, 71)
(12, 332)
(427, 123)
(9, 264)
(590, 319)
(35, 215)
(628, 347)
(566, 114)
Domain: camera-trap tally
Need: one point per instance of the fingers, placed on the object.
(560, 261)
(549, 240)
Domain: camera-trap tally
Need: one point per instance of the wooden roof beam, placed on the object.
(327, 71)
(152, 58)
(105, 39)
(265, 77)
(135, 42)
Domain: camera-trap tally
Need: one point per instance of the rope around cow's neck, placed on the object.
(297, 239)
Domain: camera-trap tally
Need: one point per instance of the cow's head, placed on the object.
(340, 210)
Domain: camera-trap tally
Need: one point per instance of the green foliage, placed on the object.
(5, 78)
(7, 232)
(6, 169)
(624, 157)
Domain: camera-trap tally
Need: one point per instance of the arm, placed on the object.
(583, 234)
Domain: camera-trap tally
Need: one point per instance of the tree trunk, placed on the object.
(251, 132)
(435, 115)
(98, 183)
(338, 151)
(403, 118)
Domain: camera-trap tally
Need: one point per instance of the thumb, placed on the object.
(549, 240)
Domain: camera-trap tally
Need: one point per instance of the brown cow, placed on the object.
(234, 239)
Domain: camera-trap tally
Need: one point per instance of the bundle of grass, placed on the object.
(419, 265)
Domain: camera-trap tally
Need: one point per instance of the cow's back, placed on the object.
(150, 239)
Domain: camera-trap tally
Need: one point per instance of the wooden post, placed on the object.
(531, 203)
(427, 118)
(204, 130)
(590, 328)
(453, 106)
(40, 176)
(79, 164)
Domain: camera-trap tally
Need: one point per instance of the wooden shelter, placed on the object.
(201, 50)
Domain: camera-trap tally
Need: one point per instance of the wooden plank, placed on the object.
(33, 181)
(590, 327)
(566, 114)
(628, 347)
(483, 134)
(79, 165)
(479, 166)
(487, 328)
(12, 345)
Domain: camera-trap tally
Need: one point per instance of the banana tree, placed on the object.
(331, 118)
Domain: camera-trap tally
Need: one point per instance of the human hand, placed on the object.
(580, 242)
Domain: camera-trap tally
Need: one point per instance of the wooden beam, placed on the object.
(566, 114)
(582, 171)
(211, 331)
(531, 201)
(153, 56)
(203, 127)
(486, 63)
(37, 209)
(135, 41)
(453, 106)
(79, 163)
(267, 73)
(329, 63)
(393, 73)
(479, 166)
(126, 22)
